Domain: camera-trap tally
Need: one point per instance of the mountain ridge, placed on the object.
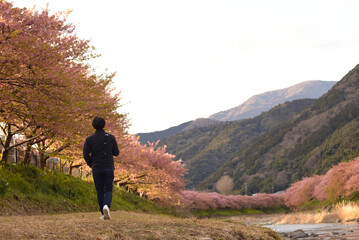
(158, 135)
(265, 101)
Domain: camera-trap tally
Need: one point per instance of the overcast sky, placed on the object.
(181, 60)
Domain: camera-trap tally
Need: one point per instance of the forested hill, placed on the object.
(157, 135)
(324, 134)
(205, 149)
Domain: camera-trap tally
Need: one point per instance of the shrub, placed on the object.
(225, 185)
(346, 210)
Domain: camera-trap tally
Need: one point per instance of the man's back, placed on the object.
(99, 150)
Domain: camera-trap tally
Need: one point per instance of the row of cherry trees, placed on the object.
(340, 181)
(213, 200)
(49, 95)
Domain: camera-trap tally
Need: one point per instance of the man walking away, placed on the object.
(98, 152)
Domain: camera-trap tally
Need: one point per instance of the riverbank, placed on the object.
(339, 213)
(125, 225)
(322, 231)
(340, 222)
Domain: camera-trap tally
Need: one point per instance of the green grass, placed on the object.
(354, 197)
(327, 204)
(235, 212)
(32, 191)
(225, 212)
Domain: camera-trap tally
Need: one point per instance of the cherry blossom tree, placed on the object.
(48, 93)
(302, 191)
(340, 181)
(149, 170)
(34, 62)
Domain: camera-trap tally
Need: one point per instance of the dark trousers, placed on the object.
(103, 179)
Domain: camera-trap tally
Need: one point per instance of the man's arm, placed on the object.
(86, 153)
(115, 150)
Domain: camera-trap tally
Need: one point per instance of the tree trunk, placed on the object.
(6, 146)
(74, 166)
(36, 160)
(16, 155)
(61, 167)
(27, 154)
(43, 160)
(4, 155)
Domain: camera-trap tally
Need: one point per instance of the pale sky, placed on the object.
(177, 61)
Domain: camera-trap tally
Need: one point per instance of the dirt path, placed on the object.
(126, 225)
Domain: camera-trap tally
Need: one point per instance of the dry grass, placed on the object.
(126, 225)
(341, 212)
(346, 211)
(308, 218)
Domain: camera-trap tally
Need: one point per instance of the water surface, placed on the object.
(323, 230)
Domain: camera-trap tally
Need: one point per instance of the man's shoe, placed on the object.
(106, 212)
(102, 217)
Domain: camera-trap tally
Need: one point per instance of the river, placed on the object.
(323, 230)
(308, 222)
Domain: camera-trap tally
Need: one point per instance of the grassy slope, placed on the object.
(29, 190)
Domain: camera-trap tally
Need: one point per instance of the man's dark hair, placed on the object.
(98, 123)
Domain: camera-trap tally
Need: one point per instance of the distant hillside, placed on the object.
(205, 149)
(158, 135)
(155, 136)
(265, 101)
(324, 134)
(251, 108)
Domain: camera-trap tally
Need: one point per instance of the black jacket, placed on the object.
(99, 150)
